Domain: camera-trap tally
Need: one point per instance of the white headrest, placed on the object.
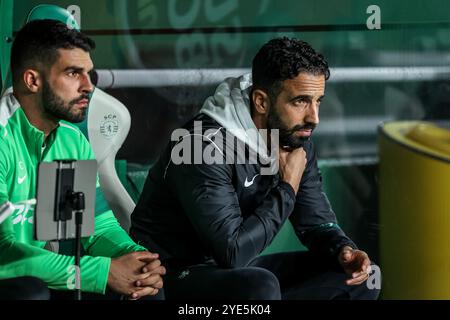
(108, 124)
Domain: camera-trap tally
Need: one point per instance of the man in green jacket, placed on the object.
(51, 68)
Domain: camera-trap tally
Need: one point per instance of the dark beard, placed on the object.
(55, 107)
(287, 138)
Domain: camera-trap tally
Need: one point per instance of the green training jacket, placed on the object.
(21, 150)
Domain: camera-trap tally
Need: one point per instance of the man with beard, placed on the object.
(210, 219)
(51, 68)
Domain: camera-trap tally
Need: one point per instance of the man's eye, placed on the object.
(300, 102)
(72, 74)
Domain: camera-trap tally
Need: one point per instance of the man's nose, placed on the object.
(312, 113)
(86, 84)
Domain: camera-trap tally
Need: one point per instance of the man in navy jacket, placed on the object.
(217, 197)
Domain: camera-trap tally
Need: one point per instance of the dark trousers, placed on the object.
(291, 275)
(23, 288)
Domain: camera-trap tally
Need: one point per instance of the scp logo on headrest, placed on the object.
(109, 126)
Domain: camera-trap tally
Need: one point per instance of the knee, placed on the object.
(260, 284)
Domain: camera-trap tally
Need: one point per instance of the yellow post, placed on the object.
(414, 195)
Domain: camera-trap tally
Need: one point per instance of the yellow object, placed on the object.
(414, 193)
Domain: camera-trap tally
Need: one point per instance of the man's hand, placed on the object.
(127, 270)
(356, 264)
(292, 165)
(154, 282)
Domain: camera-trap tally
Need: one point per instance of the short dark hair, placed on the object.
(285, 58)
(37, 44)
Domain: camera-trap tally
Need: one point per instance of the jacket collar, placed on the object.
(33, 137)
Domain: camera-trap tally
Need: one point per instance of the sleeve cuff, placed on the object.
(103, 274)
(335, 250)
(287, 187)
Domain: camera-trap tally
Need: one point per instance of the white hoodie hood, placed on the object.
(230, 107)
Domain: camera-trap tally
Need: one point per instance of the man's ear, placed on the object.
(260, 101)
(32, 80)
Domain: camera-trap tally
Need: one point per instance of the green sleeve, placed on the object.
(109, 239)
(20, 259)
(56, 270)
